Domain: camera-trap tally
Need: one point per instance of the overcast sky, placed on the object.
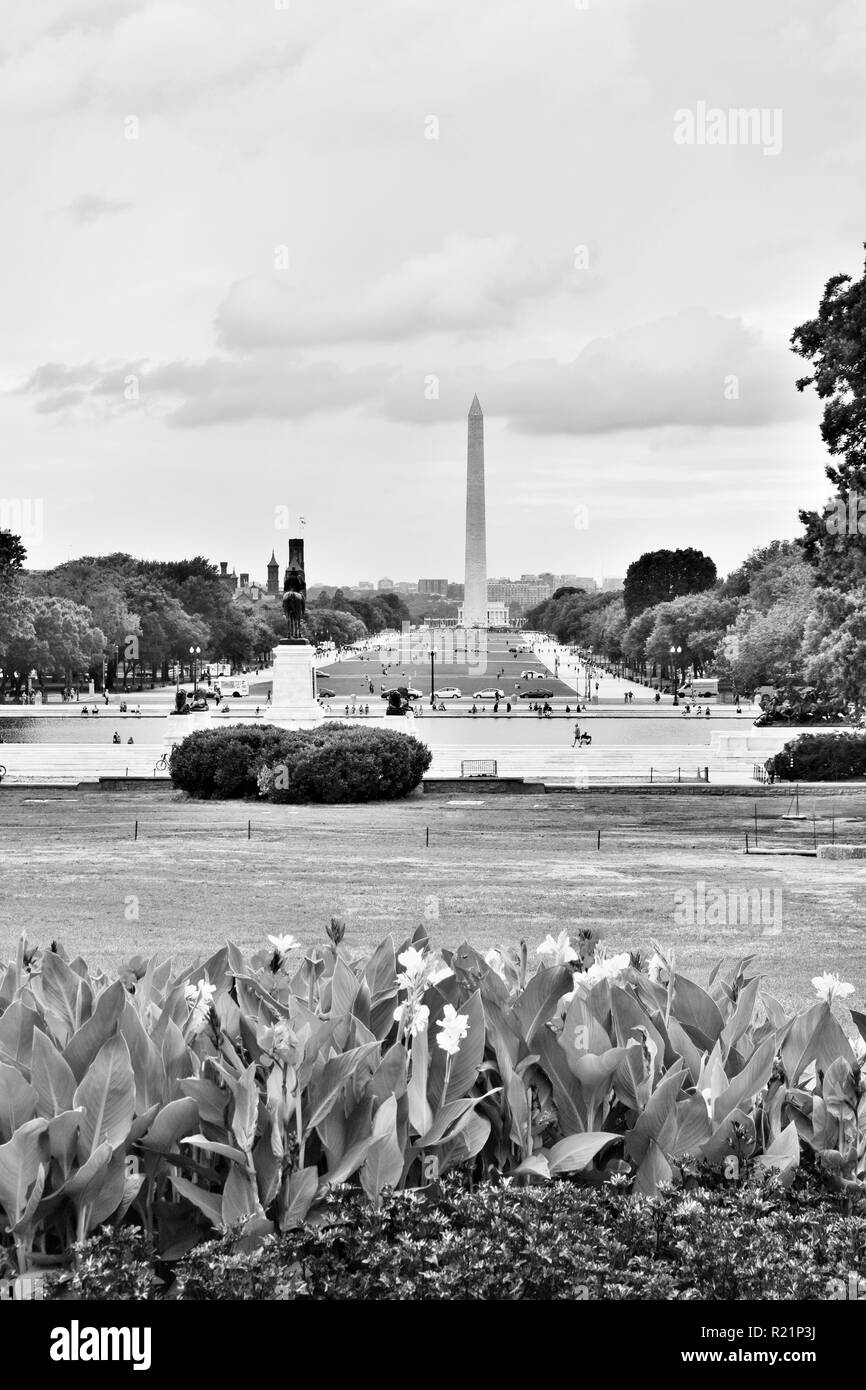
(282, 293)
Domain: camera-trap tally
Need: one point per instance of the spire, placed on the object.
(475, 407)
(273, 560)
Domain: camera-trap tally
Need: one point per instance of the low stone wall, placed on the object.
(842, 851)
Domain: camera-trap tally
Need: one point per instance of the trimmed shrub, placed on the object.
(338, 764)
(332, 764)
(224, 762)
(824, 757)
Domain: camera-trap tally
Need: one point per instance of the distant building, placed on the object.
(406, 586)
(433, 586)
(611, 585)
(365, 586)
(521, 593)
(385, 584)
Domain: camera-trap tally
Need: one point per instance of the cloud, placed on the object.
(215, 391)
(89, 207)
(693, 368)
(471, 284)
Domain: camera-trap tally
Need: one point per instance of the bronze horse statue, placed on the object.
(295, 590)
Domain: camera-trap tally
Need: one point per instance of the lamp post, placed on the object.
(432, 679)
(195, 653)
(675, 652)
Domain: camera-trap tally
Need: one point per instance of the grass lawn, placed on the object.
(510, 867)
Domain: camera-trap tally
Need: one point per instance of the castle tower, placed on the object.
(273, 574)
(474, 613)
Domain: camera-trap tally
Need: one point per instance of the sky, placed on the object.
(260, 254)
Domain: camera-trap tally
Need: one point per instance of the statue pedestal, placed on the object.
(293, 700)
(179, 725)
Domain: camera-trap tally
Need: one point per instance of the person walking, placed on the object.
(576, 733)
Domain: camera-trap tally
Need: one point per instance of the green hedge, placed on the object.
(504, 1241)
(825, 757)
(333, 763)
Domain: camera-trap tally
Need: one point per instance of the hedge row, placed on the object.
(332, 763)
(504, 1241)
(827, 757)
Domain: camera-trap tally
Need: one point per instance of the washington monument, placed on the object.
(474, 613)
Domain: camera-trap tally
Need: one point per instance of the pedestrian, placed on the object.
(658, 697)
(576, 732)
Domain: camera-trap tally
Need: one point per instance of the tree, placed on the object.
(662, 575)
(329, 625)
(12, 557)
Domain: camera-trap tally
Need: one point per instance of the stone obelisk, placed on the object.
(475, 590)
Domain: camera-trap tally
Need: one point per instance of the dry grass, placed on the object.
(512, 867)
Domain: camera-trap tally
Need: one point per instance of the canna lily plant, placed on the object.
(237, 1092)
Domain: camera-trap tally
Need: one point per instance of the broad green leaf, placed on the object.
(52, 1076)
(326, 1087)
(380, 971)
(567, 1092)
(246, 1109)
(20, 1161)
(697, 1012)
(176, 1059)
(18, 1101)
(171, 1124)
(447, 1124)
(348, 1164)
(240, 1198)
(102, 1025)
(537, 1003)
(210, 1098)
(693, 1126)
(751, 1080)
(783, 1154)
(26, 1217)
(657, 1122)
(582, 1035)
(17, 1027)
(741, 1018)
(300, 1193)
(536, 1166)
(214, 1146)
(66, 995)
(577, 1151)
(145, 1057)
(62, 1138)
(344, 987)
(653, 1171)
(208, 1202)
(383, 1166)
(107, 1095)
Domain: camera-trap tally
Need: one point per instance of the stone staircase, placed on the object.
(73, 764)
(600, 766)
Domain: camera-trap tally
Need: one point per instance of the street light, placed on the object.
(432, 679)
(675, 652)
(194, 652)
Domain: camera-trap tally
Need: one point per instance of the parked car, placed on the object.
(405, 690)
(489, 695)
(327, 694)
(535, 695)
(448, 692)
(531, 675)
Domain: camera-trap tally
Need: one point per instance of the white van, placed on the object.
(701, 688)
(232, 685)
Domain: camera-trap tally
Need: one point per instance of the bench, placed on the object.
(478, 767)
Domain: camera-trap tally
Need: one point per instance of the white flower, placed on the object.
(655, 966)
(556, 951)
(610, 968)
(708, 1100)
(413, 961)
(495, 960)
(453, 1028)
(283, 944)
(439, 973)
(199, 997)
(829, 987)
